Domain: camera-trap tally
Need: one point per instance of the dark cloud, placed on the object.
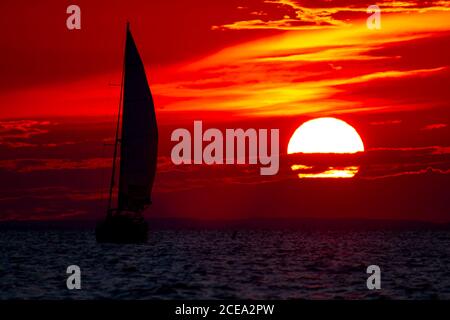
(392, 182)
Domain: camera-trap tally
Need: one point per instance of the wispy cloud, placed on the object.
(434, 126)
(30, 165)
(324, 15)
(385, 122)
(309, 72)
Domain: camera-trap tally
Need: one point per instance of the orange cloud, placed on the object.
(310, 18)
(297, 72)
(301, 72)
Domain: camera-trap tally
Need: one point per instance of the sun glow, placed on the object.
(325, 135)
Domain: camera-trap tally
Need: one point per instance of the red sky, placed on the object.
(261, 64)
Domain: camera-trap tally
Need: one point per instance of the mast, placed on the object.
(117, 140)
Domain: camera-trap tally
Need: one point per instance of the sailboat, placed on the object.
(137, 138)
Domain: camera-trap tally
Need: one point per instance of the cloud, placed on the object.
(324, 15)
(52, 193)
(317, 72)
(382, 163)
(386, 122)
(393, 74)
(16, 133)
(31, 165)
(282, 95)
(375, 163)
(428, 170)
(434, 126)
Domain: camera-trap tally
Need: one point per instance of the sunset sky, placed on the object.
(230, 63)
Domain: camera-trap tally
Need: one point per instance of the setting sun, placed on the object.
(325, 135)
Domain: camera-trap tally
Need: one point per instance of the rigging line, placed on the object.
(111, 187)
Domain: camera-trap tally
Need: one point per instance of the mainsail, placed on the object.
(139, 137)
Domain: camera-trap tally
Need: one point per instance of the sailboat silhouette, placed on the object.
(138, 144)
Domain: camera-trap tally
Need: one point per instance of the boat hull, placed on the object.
(122, 229)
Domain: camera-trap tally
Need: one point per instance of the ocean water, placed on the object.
(215, 264)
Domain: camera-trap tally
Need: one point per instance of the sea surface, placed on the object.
(223, 264)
